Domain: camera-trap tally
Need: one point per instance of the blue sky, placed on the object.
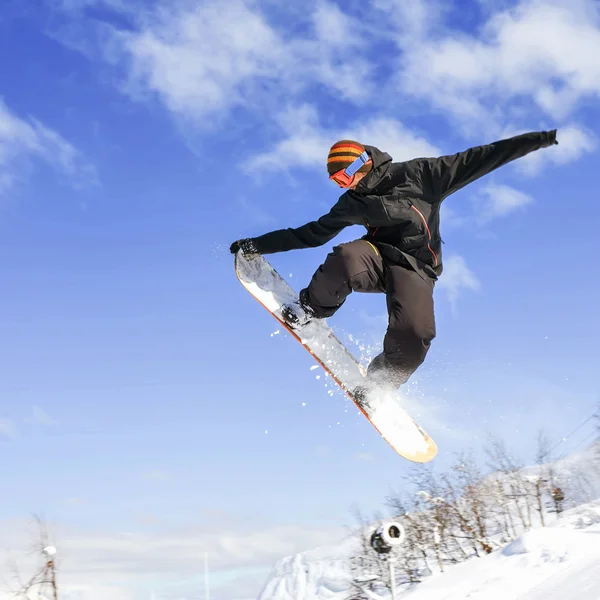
(142, 391)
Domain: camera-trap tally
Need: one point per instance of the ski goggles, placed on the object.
(345, 177)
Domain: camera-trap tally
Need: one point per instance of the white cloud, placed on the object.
(501, 200)
(457, 277)
(199, 60)
(526, 67)
(202, 61)
(413, 20)
(574, 141)
(21, 141)
(335, 28)
(334, 56)
(541, 52)
(306, 143)
(393, 137)
(451, 218)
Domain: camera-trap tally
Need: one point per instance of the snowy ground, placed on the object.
(553, 563)
(559, 562)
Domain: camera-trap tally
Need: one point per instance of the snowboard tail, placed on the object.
(383, 411)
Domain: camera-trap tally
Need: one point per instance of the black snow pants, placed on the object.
(357, 266)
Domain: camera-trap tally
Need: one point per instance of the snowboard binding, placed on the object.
(360, 395)
(298, 314)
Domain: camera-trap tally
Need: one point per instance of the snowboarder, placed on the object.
(400, 255)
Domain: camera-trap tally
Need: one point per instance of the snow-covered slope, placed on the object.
(557, 562)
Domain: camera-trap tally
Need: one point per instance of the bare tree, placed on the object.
(514, 481)
(499, 509)
(544, 481)
(475, 499)
(44, 580)
(443, 532)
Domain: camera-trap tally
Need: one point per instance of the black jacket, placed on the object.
(399, 203)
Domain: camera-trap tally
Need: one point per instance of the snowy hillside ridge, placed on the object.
(557, 562)
(579, 472)
(452, 518)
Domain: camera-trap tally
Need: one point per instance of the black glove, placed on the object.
(246, 246)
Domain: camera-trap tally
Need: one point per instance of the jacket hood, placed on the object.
(381, 164)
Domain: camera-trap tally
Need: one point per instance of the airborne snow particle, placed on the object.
(314, 367)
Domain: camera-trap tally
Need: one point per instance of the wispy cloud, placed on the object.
(574, 142)
(456, 278)
(155, 475)
(7, 428)
(206, 65)
(199, 60)
(536, 56)
(24, 140)
(254, 211)
(491, 202)
(10, 428)
(333, 54)
(41, 417)
(499, 201)
(306, 142)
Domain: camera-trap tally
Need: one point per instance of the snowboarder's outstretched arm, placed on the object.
(311, 235)
(447, 174)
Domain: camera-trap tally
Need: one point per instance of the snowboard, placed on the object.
(383, 409)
